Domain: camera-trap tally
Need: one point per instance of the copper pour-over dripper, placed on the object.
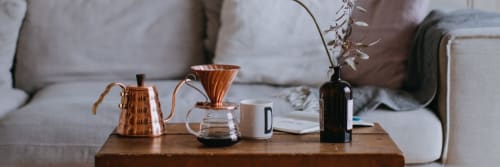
(216, 80)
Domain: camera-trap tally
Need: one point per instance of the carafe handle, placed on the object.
(197, 134)
(106, 91)
(186, 81)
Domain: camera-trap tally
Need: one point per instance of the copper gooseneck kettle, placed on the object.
(141, 114)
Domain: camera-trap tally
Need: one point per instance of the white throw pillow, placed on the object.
(11, 16)
(275, 41)
(80, 40)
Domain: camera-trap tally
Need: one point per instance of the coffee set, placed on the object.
(141, 114)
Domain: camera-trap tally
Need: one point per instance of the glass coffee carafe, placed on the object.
(218, 126)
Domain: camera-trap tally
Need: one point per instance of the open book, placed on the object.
(300, 122)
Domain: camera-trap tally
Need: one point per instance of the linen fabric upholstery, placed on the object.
(212, 10)
(465, 33)
(69, 135)
(39, 134)
(11, 99)
(434, 164)
(12, 13)
(302, 60)
(418, 133)
(274, 42)
(470, 60)
(78, 40)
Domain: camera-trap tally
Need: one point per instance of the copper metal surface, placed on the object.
(141, 114)
(210, 106)
(174, 95)
(106, 91)
(216, 80)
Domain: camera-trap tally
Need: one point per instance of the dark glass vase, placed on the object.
(336, 105)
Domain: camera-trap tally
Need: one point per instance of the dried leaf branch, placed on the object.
(345, 51)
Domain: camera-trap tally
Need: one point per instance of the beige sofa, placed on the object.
(61, 68)
(468, 95)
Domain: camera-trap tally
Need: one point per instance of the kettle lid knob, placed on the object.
(140, 79)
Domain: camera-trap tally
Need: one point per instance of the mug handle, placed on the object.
(268, 129)
(106, 91)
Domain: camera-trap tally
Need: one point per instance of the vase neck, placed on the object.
(336, 74)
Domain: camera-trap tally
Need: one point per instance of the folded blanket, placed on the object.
(421, 86)
(366, 98)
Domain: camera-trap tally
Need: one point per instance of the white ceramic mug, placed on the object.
(256, 119)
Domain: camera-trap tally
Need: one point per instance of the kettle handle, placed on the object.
(186, 81)
(106, 91)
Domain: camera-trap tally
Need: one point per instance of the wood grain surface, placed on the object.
(370, 147)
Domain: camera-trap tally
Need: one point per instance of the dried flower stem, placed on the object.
(332, 64)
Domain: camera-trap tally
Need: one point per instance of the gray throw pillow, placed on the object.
(81, 40)
(11, 16)
(275, 42)
(212, 14)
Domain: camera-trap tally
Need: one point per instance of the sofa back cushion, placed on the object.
(212, 10)
(70, 41)
(276, 42)
(11, 16)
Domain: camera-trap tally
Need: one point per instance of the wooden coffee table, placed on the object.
(370, 146)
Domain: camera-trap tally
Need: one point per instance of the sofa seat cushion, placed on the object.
(57, 127)
(418, 133)
(11, 99)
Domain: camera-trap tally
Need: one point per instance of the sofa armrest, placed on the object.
(469, 96)
(11, 99)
